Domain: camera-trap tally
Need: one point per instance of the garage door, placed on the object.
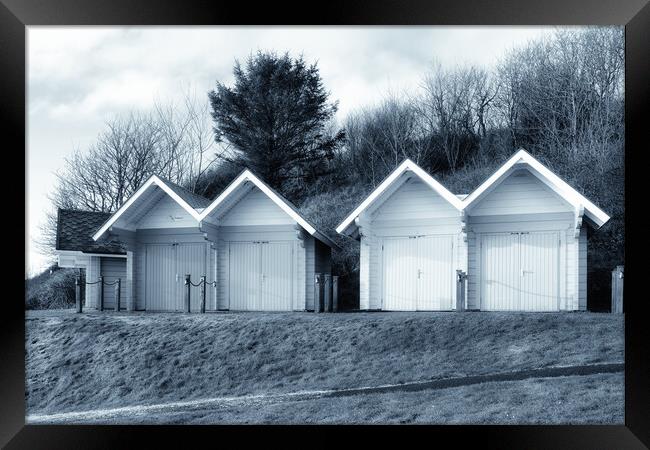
(166, 267)
(261, 276)
(418, 273)
(160, 278)
(520, 272)
(111, 270)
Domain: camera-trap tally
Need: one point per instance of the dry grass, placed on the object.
(586, 400)
(76, 362)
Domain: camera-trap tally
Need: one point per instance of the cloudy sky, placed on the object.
(79, 77)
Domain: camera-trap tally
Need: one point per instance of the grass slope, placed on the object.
(586, 400)
(76, 362)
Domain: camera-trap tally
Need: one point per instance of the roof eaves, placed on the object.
(248, 175)
(569, 193)
(153, 179)
(407, 164)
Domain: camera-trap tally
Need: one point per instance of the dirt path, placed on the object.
(252, 400)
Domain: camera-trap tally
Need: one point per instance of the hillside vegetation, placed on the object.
(53, 288)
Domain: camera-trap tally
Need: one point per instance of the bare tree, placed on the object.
(562, 95)
(174, 142)
(200, 140)
(381, 137)
(455, 106)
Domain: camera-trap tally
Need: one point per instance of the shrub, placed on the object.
(54, 288)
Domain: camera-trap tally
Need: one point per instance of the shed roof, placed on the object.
(75, 229)
(196, 201)
(525, 160)
(200, 207)
(464, 202)
(180, 195)
(248, 176)
(406, 166)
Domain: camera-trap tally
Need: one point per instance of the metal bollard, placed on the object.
(203, 289)
(118, 294)
(327, 289)
(188, 286)
(101, 293)
(77, 293)
(460, 290)
(318, 293)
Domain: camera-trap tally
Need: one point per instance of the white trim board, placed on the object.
(80, 253)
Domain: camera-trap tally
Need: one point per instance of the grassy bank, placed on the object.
(587, 400)
(77, 362)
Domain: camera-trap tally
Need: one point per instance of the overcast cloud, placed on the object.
(78, 77)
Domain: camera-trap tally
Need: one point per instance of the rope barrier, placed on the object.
(213, 283)
(106, 283)
(188, 282)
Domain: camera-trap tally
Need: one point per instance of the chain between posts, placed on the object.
(212, 283)
(202, 284)
(105, 283)
(78, 284)
(188, 282)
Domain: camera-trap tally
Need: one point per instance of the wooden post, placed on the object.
(335, 293)
(188, 286)
(461, 277)
(101, 293)
(617, 290)
(77, 292)
(318, 293)
(327, 292)
(203, 289)
(118, 294)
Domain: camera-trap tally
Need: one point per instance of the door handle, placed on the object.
(177, 278)
(419, 273)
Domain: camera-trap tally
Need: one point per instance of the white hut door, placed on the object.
(500, 272)
(161, 293)
(520, 271)
(539, 275)
(276, 280)
(244, 275)
(400, 274)
(435, 284)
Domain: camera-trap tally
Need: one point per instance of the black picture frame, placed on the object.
(16, 15)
